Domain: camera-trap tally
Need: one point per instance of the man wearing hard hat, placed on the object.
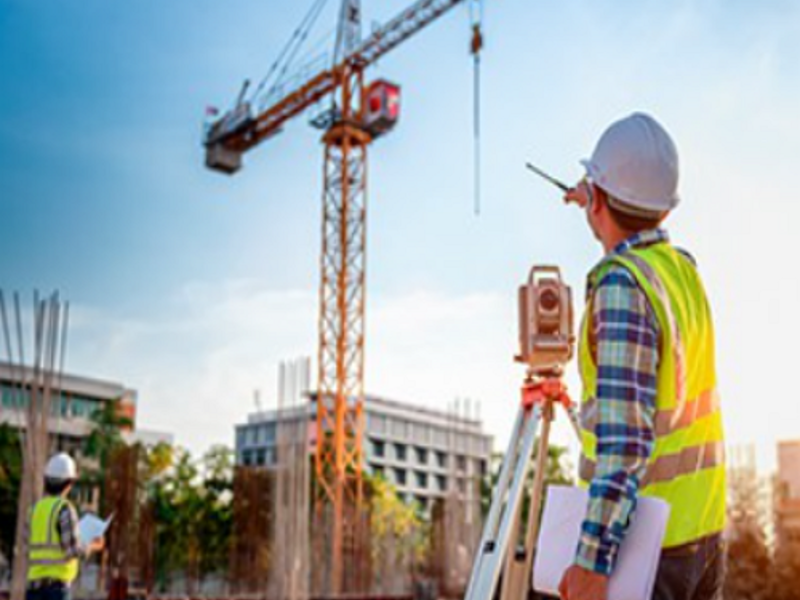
(53, 543)
(650, 412)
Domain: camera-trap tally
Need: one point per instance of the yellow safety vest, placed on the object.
(46, 558)
(686, 467)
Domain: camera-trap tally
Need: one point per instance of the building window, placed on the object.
(400, 428)
(400, 451)
(461, 462)
(421, 479)
(376, 423)
(423, 502)
(441, 483)
(378, 448)
(378, 471)
(441, 459)
(462, 485)
(261, 457)
(270, 456)
(247, 458)
(424, 434)
(439, 436)
(480, 467)
(422, 455)
(400, 476)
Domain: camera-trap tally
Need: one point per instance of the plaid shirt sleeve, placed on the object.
(68, 528)
(625, 332)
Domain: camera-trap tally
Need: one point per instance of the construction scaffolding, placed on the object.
(251, 545)
(457, 521)
(34, 385)
(289, 568)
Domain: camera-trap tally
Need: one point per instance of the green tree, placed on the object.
(10, 477)
(216, 523)
(156, 462)
(176, 501)
(193, 512)
(399, 537)
(107, 424)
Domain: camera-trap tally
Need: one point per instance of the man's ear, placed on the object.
(598, 200)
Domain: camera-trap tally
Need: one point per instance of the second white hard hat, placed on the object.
(61, 467)
(636, 162)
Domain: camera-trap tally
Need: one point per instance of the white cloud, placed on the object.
(196, 368)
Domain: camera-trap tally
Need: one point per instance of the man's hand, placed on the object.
(97, 545)
(580, 194)
(581, 584)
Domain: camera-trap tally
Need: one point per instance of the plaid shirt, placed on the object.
(68, 530)
(625, 332)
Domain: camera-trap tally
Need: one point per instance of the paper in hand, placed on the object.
(635, 572)
(91, 527)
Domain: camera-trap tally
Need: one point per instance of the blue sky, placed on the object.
(190, 286)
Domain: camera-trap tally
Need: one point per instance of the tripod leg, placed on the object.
(572, 413)
(517, 576)
(498, 530)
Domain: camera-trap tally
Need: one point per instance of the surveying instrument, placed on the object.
(546, 344)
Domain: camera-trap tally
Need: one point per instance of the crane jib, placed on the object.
(239, 130)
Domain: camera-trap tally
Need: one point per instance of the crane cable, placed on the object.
(297, 38)
(476, 45)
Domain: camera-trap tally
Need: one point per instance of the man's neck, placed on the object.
(614, 238)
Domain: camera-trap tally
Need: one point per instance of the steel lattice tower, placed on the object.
(341, 328)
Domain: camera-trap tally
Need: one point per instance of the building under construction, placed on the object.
(431, 462)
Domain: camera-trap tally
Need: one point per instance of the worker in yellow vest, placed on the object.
(650, 412)
(54, 546)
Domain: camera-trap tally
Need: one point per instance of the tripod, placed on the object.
(541, 391)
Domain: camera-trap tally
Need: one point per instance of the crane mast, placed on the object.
(348, 134)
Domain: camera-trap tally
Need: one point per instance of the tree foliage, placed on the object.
(193, 512)
(10, 477)
(107, 424)
(756, 569)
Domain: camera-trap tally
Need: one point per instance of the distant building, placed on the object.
(787, 495)
(422, 452)
(75, 399)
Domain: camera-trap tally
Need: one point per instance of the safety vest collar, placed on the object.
(641, 239)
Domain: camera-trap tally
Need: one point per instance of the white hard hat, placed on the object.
(636, 162)
(61, 467)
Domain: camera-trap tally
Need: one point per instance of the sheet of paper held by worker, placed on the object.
(91, 527)
(635, 575)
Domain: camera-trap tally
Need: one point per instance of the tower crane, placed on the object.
(359, 114)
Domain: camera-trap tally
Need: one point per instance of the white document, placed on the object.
(92, 527)
(635, 573)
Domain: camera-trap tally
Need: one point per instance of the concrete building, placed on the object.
(422, 452)
(73, 404)
(787, 495)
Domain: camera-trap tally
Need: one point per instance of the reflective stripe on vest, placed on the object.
(686, 466)
(46, 557)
